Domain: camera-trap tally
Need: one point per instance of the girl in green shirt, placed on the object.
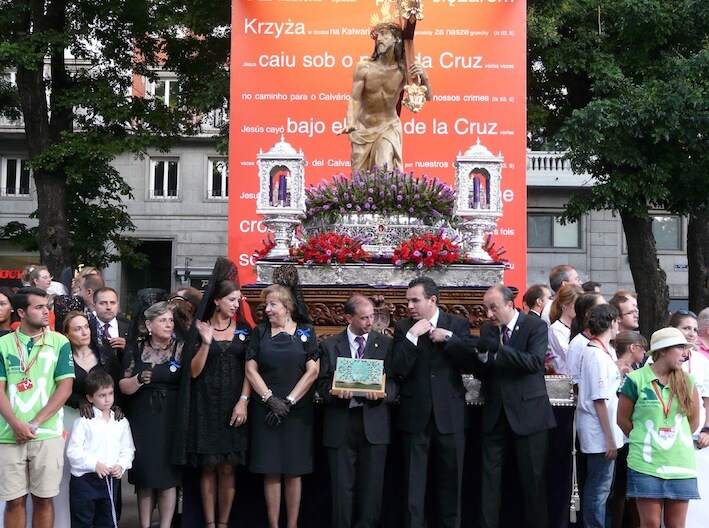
(658, 409)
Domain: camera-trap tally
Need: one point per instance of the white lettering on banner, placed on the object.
(508, 195)
(338, 163)
(298, 97)
(252, 226)
(462, 127)
(414, 127)
(276, 29)
(277, 61)
(319, 61)
(246, 260)
(309, 128)
(447, 60)
(270, 97)
(248, 196)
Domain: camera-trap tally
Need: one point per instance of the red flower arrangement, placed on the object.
(268, 245)
(426, 251)
(495, 254)
(329, 248)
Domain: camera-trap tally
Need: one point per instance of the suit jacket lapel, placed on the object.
(343, 346)
(372, 345)
(515, 330)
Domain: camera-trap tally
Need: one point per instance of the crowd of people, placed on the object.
(188, 382)
(641, 409)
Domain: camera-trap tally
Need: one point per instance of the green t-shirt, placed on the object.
(53, 363)
(660, 447)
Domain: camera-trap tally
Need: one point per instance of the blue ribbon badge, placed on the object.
(304, 334)
(242, 333)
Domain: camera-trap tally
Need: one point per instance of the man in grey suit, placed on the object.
(356, 430)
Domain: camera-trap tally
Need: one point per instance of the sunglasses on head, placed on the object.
(682, 311)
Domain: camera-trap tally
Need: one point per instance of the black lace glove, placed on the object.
(86, 410)
(278, 406)
(118, 413)
(273, 419)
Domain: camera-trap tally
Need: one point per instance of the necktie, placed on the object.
(505, 336)
(106, 333)
(360, 346)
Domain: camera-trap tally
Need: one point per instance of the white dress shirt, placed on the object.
(434, 322)
(96, 440)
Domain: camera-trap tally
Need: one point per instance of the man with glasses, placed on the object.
(36, 376)
(626, 302)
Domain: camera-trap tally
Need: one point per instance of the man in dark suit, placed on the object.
(356, 430)
(111, 332)
(517, 413)
(432, 411)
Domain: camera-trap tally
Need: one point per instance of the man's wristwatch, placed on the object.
(33, 426)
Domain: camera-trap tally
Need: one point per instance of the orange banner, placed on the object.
(291, 73)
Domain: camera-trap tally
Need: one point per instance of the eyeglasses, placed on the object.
(631, 312)
(682, 311)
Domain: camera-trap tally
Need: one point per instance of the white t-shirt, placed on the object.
(599, 379)
(573, 355)
(559, 336)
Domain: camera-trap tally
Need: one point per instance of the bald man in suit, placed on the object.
(356, 430)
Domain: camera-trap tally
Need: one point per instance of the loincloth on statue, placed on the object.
(367, 146)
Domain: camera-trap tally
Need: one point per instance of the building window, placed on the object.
(668, 232)
(218, 178)
(545, 231)
(165, 90)
(15, 177)
(164, 178)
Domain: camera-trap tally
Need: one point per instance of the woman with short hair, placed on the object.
(151, 381)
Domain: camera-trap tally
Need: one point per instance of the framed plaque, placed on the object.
(359, 376)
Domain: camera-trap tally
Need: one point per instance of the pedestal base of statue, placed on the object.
(379, 275)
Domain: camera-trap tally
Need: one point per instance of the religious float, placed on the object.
(371, 233)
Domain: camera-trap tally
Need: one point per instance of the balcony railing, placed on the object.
(550, 169)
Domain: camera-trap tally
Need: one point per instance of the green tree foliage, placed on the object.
(78, 65)
(623, 85)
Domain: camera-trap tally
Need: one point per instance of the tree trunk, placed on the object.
(649, 278)
(53, 238)
(698, 260)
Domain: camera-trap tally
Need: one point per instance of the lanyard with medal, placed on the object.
(666, 431)
(26, 383)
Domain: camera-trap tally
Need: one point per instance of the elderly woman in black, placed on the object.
(282, 364)
(151, 381)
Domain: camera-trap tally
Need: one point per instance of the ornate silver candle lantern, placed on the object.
(281, 198)
(478, 174)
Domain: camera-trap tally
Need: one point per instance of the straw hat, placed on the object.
(665, 338)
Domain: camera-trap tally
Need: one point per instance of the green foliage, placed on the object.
(623, 84)
(82, 115)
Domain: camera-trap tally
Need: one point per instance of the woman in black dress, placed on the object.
(152, 380)
(282, 364)
(217, 435)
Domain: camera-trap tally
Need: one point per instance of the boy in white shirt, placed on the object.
(99, 450)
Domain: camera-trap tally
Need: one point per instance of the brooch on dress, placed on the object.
(242, 333)
(304, 334)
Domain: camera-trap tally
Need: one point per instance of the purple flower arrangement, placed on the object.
(380, 191)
